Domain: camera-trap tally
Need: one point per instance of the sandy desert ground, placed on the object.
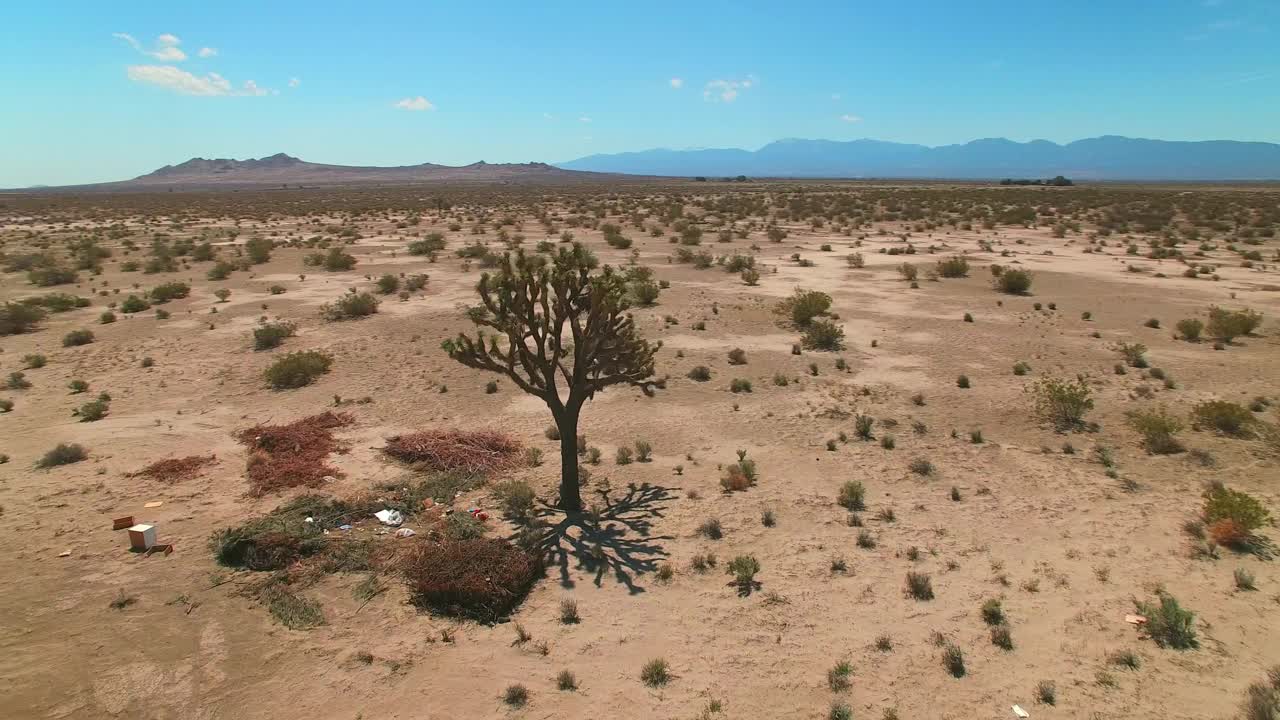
(1068, 543)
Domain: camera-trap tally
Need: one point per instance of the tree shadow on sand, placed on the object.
(614, 536)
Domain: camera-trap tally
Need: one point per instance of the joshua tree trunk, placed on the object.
(567, 423)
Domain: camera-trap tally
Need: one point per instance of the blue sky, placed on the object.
(96, 91)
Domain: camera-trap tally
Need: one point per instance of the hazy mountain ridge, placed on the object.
(282, 169)
(1109, 157)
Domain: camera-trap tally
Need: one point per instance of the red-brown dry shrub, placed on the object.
(474, 453)
(1228, 533)
(481, 579)
(175, 469)
(735, 479)
(285, 456)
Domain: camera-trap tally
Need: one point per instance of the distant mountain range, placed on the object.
(282, 169)
(1103, 158)
(285, 170)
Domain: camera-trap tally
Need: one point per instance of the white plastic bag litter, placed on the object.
(389, 517)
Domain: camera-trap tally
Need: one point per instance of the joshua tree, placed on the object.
(561, 333)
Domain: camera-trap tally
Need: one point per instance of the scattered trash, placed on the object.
(478, 514)
(65, 553)
(1135, 619)
(142, 537)
(344, 527)
(310, 520)
(166, 549)
(122, 523)
(154, 504)
(389, 517)
(1017, 710)
(405, 533)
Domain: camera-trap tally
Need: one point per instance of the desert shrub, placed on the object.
(336, 260)
(1226, 325)
(863, 424)
(919, 585)
(1157, 428)
(17, 381)
(701, 373)
(480, 579)
(272, 334)
(1062, 403)
(516, 695)
(804, 305)
(993, 612)
(953, 660)
(1169, 624)
(838, 676)
(52, 275)
(1047, 693)
(1190, 329)
(77, 337)
(1153, 323)
(955, 266)
(740, 385)
(18, 318)
(350, 306)
(432, 243)
(908, 271)
(922, 467)
(1225, 417)
(134, 304)
(822, 335)
(1002, 637)
(737, 356)
(711, 529)
(1013, 282)
(258, 249)
(92, 411)
(221, 270)
(566, 680)
(962, 382)
(62, 454)
(388, 284)
(415, 282)
(169, 291)
(1021, 368)
(34, 362)
(297, 369)
(852, 496)
(462, 526)
(1232, 516)
(655, 673)
(1134, 354)
(743, 568)
(77, 386)
(515, 498)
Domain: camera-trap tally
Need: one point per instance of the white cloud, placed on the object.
(180, 81)
(726, 90)
(294, 82)
(835, 96)
(207, 52)
(850, 118)
(185, 83)
(677, 83)
(548, 116)
(584, 119)
(417, 104)
(166, 50)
